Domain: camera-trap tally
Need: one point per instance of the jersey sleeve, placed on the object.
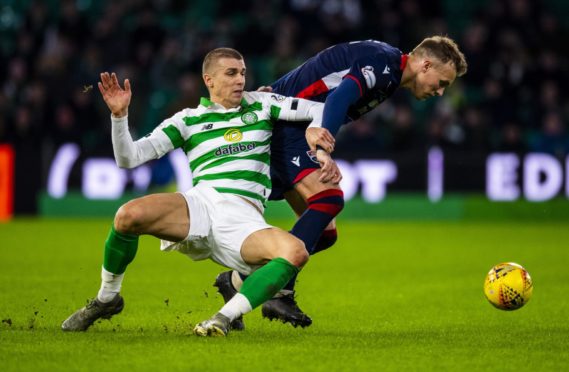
(370, 73)
(337, 104)
(168, 135)
(293, 109)
(164, 138)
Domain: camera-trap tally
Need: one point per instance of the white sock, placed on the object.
(110, 285)
(237, 306)
(236, 280)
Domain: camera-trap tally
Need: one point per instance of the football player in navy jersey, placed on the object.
(351, 79)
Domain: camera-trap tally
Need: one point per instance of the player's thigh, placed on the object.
(163, 215)
(267, 244)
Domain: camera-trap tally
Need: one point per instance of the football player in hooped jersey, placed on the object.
(226, 139)
(351, 79)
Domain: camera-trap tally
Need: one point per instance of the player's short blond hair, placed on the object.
(445, 50)
(217, 54)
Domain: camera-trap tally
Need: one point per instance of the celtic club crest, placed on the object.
(249, 118)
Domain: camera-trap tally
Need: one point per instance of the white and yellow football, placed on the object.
(508, 286)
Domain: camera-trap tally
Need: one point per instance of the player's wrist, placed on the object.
(320, 148)
(115, 120)
(119, 114)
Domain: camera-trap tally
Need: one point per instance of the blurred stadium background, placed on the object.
(500, 133)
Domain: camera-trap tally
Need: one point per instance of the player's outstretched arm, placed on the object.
(128, 153)
(334, 114)
(116, 98)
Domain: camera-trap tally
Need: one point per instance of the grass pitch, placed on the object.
(388, 296)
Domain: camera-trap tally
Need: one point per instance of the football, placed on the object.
(508, 286)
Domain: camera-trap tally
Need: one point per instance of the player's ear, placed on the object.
(208, 81)
(427, 64)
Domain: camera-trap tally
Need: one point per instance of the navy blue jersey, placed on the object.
(374, 65)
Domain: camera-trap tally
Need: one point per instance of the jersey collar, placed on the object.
(403, 61)
(205, 102)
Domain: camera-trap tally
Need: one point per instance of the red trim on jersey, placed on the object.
(314, 89)
(325, 194)
(357, 81)
(303, 173)
(404, 58)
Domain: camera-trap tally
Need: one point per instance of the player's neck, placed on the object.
(409, 72)
(223, 102)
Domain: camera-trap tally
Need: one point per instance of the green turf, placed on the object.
(388, 296)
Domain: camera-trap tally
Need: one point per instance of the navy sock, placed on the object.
(322, 208)
(327, 239)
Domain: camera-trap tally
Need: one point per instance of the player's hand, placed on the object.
(116, 98)
(329, 170)
(266, 89)
(320, 137)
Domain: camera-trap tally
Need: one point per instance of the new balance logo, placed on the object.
(296, 161)
(207, 127)
(386, 70)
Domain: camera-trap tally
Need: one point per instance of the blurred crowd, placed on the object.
(511, 99)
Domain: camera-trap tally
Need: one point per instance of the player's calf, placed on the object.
(322, 208)
(327, 239)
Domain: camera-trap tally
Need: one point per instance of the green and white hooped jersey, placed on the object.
(229, 149)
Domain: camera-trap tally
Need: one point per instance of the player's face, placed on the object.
(433, 78)
(226, 82)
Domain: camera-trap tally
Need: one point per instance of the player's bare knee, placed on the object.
(295, 252)
(127, 219)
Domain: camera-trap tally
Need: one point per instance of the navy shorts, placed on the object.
(291, 158)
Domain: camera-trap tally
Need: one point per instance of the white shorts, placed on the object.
(219, 224)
